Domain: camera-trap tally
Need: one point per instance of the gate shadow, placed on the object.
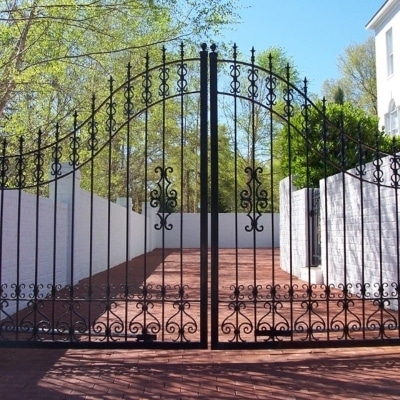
(94, 374)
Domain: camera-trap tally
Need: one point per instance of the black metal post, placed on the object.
(214, 193)
(204, 195)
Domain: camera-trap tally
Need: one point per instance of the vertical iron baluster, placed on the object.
(163, 92)
(253, 95)
(56, 173)
(128, 111)
(214, 194)
(395, 182)
(378, 180)
(235, 90)
(204, 195)
(111, 128)
(146, 100)
(343, 165)
(288, 109)
(73, 162)
(305, 110)
(92, 146)
(20, 184)
(360, 171)
(4, 165)
(38, 178)
(271, 84)
(325, 137)
(182, 88)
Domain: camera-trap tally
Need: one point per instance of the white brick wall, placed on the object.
(348, 255)
(295, 243)
(74, 234)
(346, 216)
(268, 237)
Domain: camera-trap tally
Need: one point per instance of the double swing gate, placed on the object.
(181, 213)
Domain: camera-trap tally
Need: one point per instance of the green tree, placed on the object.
(252, 118)
(326, 143)
(56, 53)
(357, 77)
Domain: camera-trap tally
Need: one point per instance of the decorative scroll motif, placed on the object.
(146, 84)
(254, 199)
(395, 166)
(288, 96)
(343, 145)
(74, 144)
(163, 89)
(381, 320)
(377, 162)
(235, 73)
(237, 323)
(35, 322)
(7, 324)
(111, 111)
(128, 92)
(56, 154)
(273, 325)
(20, 166)
(4, 165)
(181, 324)
(108, 324)
(145, 325)
(271, 84)
(92, 142)
(182, 71)
(252, 90)
(310, 321)
(39, 161)
(71, 324)
(164, 198)
(305, 112)
(361, 164)
(346, 320)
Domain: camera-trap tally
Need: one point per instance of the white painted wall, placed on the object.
(348, 255)
(18, 255)
(345, 249)
(231, 228)
(82, 219)
(388, 87)
(295, 224)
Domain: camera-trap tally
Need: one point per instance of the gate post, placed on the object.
(214, 194)
(204, 195)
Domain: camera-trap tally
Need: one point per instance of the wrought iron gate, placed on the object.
(107, 228)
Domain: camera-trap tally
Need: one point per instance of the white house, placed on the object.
(386, 24)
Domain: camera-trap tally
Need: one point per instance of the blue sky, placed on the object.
(313, 32)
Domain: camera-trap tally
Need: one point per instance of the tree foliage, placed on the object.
(357, 77)
(56, 53)
(326, 140)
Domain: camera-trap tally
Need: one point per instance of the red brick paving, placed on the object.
(361, 373)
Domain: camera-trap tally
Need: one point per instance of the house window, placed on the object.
(389, 51)
(392, 120)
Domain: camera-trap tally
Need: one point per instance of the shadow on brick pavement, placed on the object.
(362, 373)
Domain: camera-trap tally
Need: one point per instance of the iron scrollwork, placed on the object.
(237, 323)
(164, 198)
(181, 323)
(254, 199)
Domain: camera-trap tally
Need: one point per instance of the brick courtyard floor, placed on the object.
(349, 373)
(363, 373)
